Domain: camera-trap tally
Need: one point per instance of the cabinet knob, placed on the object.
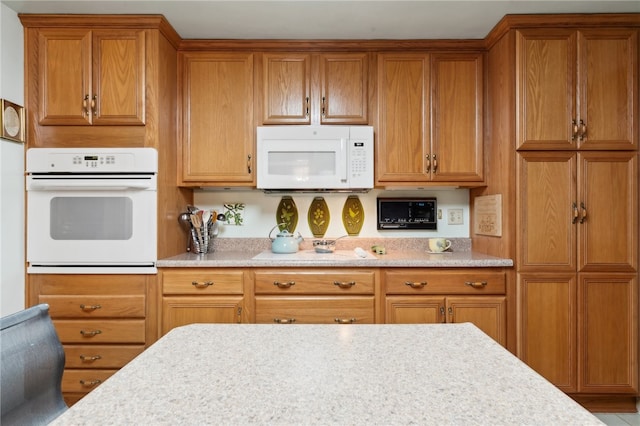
(284, 320)
(574, 129)
(476, 284)
(435, 163)
(85, 104)
(345, 320)
(90, 383)
(205, 284)
(584, 213)
(90, 358)
(415, 285)
(89, 308)
(428, 168)
(90, 333)
(344, 284)
(284, 284)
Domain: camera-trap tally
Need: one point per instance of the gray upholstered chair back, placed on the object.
(32, 360)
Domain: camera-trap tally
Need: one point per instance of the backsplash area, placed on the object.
(259, 213)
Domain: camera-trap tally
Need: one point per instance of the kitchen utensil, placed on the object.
(285, 241)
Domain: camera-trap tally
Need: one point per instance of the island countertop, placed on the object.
(400, 252)
(438, 374)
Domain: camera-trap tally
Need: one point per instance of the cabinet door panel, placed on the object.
(315, 309)
(178, 311)
(344, 88)
(218, 128)
(84, 380)
(415, 310)
(100, 356)
(456, 117)
(315, 282)
(428, 281)
(403, 105)
(608, 334)
(119, 77)
(202, 282)
(100, 331)
(548, 326)
(65, 76)
(488, 313)
(546, 89)
(95, 306)
(608, 189)
(546, 211)
(608, 88)
(287, 80)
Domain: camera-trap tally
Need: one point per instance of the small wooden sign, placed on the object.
(488, 215)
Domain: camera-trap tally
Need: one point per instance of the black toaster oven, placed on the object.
(407, 213)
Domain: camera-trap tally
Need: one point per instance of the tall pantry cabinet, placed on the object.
(563, 123)
(104, 81)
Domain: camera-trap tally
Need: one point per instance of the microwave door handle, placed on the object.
(344, 159)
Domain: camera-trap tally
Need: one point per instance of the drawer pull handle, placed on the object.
(205, 284)
(345, 320)
(416, 285)
(343, 284)
(89, 308)
(90, 333)
(284, 320)
(284, 284)
(476, 284)
(92, 358)
(90, 383)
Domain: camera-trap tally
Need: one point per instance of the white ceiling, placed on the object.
(336, 19)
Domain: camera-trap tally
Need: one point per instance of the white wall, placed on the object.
(12, 262)
(260, 212)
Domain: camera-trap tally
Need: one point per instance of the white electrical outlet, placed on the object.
(454, 217)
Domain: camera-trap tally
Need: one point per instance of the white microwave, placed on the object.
(315, 158)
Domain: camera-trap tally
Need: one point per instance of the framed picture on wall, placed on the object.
(12, 121)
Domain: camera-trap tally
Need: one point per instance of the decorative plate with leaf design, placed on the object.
(352, 215)
(318, 217)
(287, 214)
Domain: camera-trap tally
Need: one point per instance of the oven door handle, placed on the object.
(89, 185)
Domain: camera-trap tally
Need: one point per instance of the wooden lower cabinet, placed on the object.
(421, 296)
(315, 296)
(201, 295)
(580, 331)
(103, 322)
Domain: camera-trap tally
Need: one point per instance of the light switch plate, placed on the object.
(454, 217)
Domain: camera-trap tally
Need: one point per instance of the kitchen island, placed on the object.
(326, 374)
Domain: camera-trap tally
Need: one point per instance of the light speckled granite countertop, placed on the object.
(400, 253)
(436, 374)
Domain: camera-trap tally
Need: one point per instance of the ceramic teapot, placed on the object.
(285, 241)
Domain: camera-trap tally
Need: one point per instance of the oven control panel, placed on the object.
(92, 160)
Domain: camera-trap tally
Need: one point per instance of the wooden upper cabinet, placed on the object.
(287, 89)
(456, 117)
(217, 138)
(301, 88)
(577, 89)
(403, 139)
(344, 88)
(430, 118)
(91, 77)
(578, 211)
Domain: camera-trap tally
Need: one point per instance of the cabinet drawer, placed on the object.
(314, 310)
(95, 306)
(315, 282)
(101, 331)
(450, 282)
(196, 281)
(84, 380)
(100, 356)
